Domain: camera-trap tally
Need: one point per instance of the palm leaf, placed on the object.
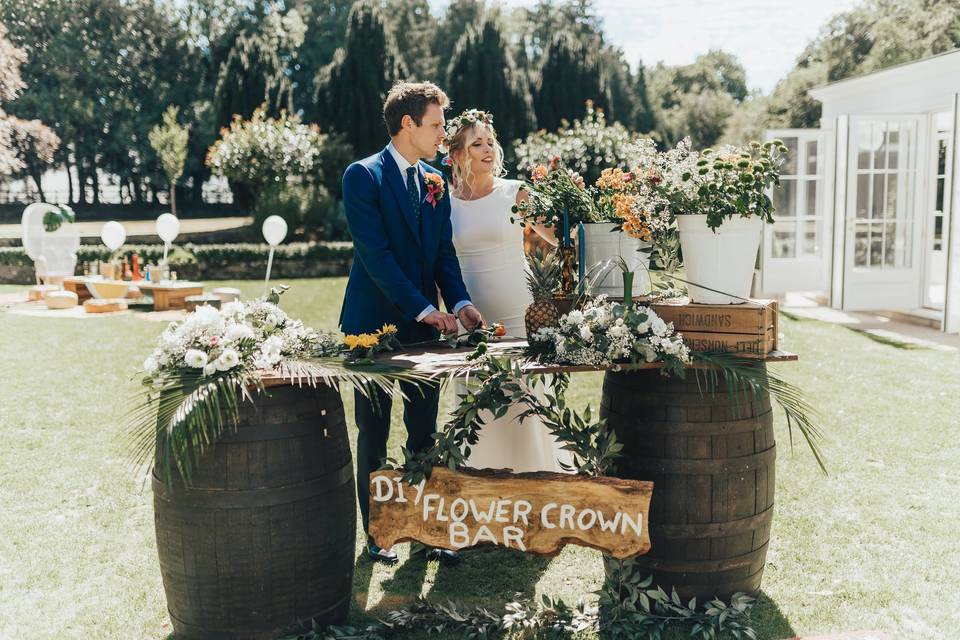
(181, 416)
(743, 375)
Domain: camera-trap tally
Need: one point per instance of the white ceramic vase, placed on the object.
(602, 243)
(720, 260)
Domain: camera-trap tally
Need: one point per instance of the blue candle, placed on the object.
(581, 253)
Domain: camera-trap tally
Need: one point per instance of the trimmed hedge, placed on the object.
(209, 261)
(203, 253)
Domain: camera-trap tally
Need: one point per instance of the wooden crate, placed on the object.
(748, 329)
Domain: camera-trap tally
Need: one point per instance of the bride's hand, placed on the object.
(470, 317)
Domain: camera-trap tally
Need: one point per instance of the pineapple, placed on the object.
(542, 279)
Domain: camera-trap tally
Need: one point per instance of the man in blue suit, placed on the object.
(399, 218)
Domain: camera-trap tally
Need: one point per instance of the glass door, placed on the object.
(938, 219)
(882, 267)
(795, 251)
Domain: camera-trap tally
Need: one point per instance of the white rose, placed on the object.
(238, 332)
(232, 308)
(272, 346)
(210, 369)
(195, 358)
(575, 317)
(659, 326)
(228, 360)
(585, 333)
(150, 365)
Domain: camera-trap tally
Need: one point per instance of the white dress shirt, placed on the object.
(403, 165)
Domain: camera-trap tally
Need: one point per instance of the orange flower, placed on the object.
(538, 173)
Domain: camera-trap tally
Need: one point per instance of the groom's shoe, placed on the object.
(443, 556)
(378, 554)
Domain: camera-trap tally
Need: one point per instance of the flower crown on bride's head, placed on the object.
(468, 118)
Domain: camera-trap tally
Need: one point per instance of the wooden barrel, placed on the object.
(711, 459)
(265, 534)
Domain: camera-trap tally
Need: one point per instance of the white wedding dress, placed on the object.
(490, 251)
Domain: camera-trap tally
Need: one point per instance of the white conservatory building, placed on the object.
(863, 211)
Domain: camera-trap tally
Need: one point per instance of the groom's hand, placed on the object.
(470, 317)
(444, 322)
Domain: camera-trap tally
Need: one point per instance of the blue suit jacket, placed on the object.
(395, 271)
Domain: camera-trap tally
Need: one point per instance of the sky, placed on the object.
(765, 35)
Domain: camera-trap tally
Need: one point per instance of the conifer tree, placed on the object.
(351, 89)
(643, 118)
(482, 75)
(571, 75)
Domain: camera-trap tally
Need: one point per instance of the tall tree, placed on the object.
(413, 28)
(350, 90)
(257, 69)
(326, 22)
(696, 99)
(872, 36)
(458, 18)
(482, 75)
(571, 75)
(643, 119)
(169, 141)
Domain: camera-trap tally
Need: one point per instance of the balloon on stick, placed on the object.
(168, 226)
(113, 235)
(274, 231)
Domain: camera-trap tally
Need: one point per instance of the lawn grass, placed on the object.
(872, 546)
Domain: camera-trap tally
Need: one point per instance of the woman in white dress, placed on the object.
(490, 251)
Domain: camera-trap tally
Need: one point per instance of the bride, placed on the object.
(490, 250)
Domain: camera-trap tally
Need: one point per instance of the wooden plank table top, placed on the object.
(438, 359)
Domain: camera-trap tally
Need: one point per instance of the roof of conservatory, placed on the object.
(920, 70)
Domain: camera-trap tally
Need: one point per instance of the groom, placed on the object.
(403, 252)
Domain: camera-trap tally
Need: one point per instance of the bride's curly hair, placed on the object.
(461, 131)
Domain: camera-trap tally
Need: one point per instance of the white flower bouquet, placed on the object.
(203, 367)
(606, 332)
(253, 336)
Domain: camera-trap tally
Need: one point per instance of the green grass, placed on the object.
(872, 546)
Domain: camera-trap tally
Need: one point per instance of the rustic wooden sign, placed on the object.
(537, 513)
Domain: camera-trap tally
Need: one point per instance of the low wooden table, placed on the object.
(170, 294)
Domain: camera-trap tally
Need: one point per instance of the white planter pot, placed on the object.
(603, 243)
(721, 260)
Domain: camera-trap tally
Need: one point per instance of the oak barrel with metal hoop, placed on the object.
(711, 458)
(264, 535)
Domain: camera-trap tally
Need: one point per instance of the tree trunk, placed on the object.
(244, 198)
(173, 199)
(137, 190)
(81, 182)
(36, 172)
(96, 181)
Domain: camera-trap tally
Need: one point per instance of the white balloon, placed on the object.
(113, 235)
(168, 226)
(274, 230)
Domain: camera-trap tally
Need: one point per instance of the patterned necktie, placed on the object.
(412, 191)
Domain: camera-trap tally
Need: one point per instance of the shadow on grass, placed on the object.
(488, 577)
(769, 621)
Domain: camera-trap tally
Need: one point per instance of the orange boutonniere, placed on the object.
(435, 190)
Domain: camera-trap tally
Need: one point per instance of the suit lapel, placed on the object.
(399, 189)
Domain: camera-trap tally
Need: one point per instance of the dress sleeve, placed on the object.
(511, 188)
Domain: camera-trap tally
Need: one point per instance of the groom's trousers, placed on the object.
(373, 424)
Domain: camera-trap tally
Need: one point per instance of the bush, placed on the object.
(263, 152)
(588, 147)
